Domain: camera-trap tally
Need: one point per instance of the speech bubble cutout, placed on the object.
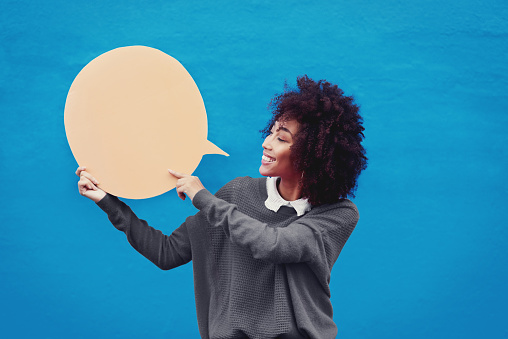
(132, 113)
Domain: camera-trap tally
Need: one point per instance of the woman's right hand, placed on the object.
(87, 185)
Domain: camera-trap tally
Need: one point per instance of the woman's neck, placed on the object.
(289, 190)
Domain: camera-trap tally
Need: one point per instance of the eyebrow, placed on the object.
(284, 129)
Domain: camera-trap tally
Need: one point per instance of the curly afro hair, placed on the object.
(327, 147)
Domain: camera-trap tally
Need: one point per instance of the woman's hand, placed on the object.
(87, 185)
(187, 185)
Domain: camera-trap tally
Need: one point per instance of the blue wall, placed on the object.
(428, 257)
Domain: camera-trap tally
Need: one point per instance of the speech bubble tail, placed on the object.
(211, 148)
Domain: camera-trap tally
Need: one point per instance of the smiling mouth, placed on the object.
(267, 158)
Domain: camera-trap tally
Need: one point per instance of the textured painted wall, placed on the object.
(428, 258)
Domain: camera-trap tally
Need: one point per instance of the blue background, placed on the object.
(428, 258)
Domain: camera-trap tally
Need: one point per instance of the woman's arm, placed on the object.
(304, 240)
(317, 238)
(164, 251)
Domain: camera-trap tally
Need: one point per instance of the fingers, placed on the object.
(180, 188)
(177, 174)
(180, 183)
(81, 172)
(84, 185)
(181, 195)
(89, 177)
(188, 186)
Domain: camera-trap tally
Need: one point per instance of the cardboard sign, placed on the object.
(131, 114)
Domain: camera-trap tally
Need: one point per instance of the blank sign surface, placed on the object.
(131, 114)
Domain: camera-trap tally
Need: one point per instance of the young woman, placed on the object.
(263, 248)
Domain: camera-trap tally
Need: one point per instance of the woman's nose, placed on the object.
(266, 143)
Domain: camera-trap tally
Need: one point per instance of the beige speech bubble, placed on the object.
(131, 114)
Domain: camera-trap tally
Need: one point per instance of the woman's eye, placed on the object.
(281, 140)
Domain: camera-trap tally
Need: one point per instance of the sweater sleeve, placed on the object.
(304, 240)
(166, 252)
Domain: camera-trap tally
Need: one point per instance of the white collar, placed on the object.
(275, 201)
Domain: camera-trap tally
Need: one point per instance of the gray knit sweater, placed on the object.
(257, 273)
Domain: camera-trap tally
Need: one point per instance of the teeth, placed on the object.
(265, 158)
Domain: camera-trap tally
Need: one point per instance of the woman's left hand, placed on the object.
(187, 185)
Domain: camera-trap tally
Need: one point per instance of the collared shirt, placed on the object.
(275, 201)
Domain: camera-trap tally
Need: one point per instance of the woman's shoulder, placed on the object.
(341, 205)
(344, 213)
(240, 184)
(243, 181)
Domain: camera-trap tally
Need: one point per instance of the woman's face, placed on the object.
(277, 150)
